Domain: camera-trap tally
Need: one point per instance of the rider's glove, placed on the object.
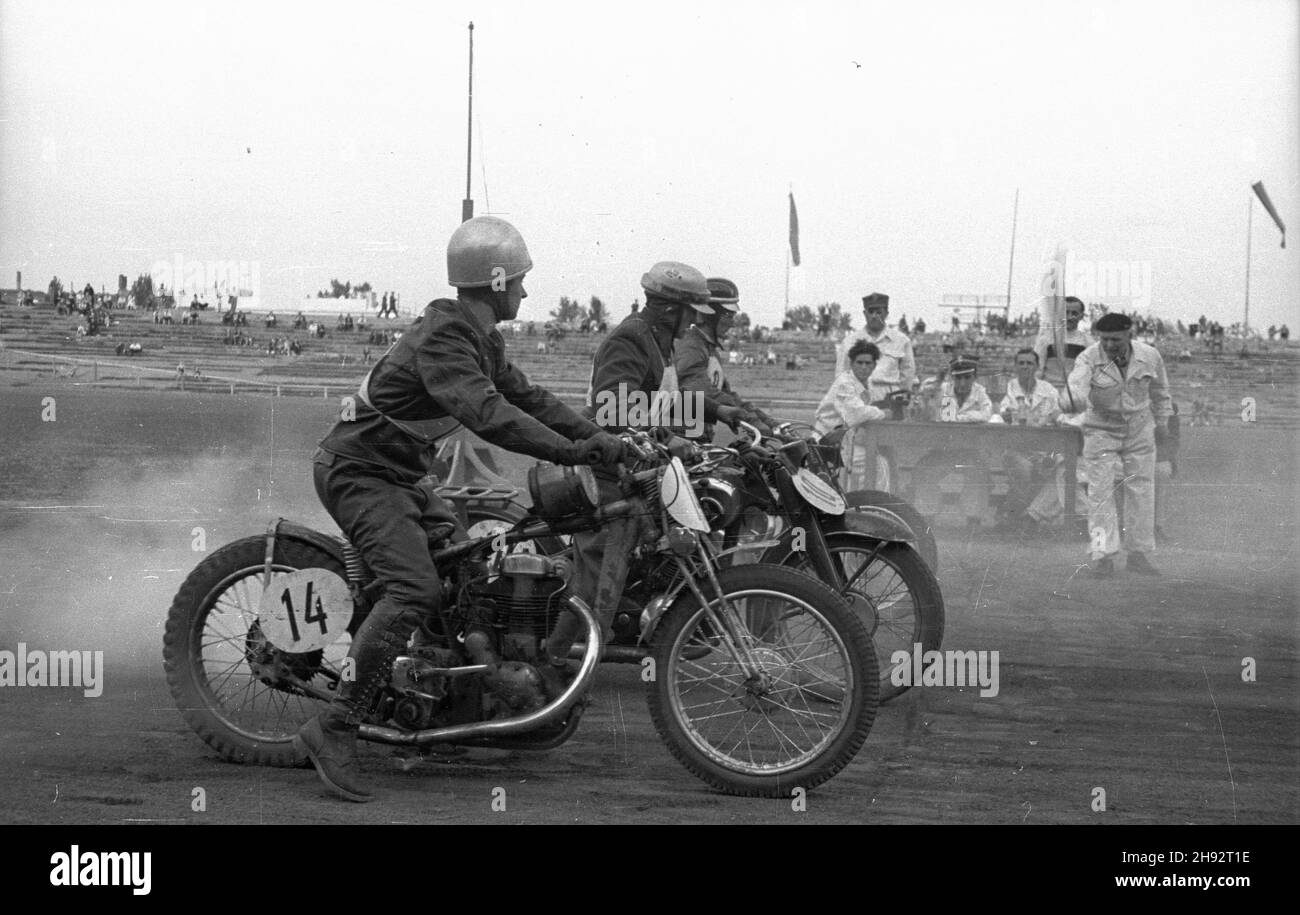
(767, 419)
(732, 417)
(601, 448)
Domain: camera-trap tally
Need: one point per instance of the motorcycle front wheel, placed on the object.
(797, 716)
(892, 591)
(907, 513)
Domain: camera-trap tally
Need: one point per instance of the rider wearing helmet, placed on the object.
(635, 360)
(448, 370)
(697, 362)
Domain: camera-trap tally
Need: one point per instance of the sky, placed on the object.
(310, 141)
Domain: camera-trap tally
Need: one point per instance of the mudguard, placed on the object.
(285, 529)
(871, 521)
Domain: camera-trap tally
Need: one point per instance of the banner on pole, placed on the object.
(1263, 198)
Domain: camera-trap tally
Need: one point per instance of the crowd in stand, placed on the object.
(283, 346)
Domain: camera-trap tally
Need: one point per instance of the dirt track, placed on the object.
(1132, 685)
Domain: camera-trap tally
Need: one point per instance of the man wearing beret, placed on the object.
(1121, 385)
(896, 368)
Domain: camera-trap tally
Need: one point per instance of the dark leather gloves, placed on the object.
(733, 417)
(601, 448)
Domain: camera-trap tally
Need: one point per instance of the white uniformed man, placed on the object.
(1030, 401)
(961, 399)
(896, 368)
(1122, 384)
(1074, 340)
(847, 406)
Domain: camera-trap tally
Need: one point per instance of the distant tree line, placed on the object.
(339, 290)
(572, 313)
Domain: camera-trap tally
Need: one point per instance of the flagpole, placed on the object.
(467, 205)
(1015, 211)
(1250, 222)
(786, 316)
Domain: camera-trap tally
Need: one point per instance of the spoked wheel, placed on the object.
(234, 674)
(894, 593)
(794, 718)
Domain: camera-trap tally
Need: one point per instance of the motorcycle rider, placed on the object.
(449, 369)
(696, 360)
(634, 361)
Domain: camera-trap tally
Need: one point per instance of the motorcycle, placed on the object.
(784, 496)
(776, 499)
(254, 643)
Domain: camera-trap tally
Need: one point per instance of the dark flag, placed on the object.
(794, 232)
(1259, 192)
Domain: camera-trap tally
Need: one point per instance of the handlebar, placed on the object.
(755, 434)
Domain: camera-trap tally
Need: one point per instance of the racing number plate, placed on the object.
(305, 610)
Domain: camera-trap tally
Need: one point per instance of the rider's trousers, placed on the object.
(610, 546)
(393, 524)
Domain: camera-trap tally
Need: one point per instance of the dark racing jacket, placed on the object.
(699, 368)
(446, 371)
(635, 356)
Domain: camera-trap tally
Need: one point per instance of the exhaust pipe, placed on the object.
(547, 714)
(613, 654)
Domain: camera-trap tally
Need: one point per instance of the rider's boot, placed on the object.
(330, 739)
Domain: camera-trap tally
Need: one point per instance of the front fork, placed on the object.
(802, 516)
(726, 621)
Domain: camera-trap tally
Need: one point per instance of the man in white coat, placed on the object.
(1121, 385)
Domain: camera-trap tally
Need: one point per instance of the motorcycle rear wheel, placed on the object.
(213, 641)
(801, 721)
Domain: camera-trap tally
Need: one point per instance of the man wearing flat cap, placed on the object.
(896, 368)
(1121, 386)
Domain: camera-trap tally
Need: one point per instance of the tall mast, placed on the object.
(467, 205)
(1015, 211)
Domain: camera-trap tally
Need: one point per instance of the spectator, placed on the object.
(896, 366)
(1055, 371)
(962, 399)
(1033, 494)
(1167, 445)
(847, 405)
(920, 326)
